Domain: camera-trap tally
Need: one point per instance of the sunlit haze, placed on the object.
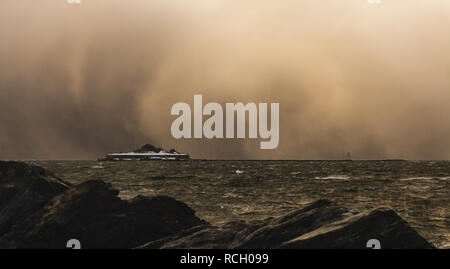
(80, 80)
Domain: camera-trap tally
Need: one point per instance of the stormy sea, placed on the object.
(223, 191)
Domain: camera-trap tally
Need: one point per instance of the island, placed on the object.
(147, 152)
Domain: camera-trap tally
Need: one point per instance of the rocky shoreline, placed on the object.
(39, 210)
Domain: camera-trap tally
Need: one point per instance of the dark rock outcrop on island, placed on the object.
(38, 210)
(147, 148)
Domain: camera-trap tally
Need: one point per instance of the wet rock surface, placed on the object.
(23, 190)
(206, 237)
(273, 232)
(38, 210)
(321, 225)
(354, 232)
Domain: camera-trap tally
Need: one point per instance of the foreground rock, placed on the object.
(24, 189)
(201, 237)
(273, 232)
(354, 232)
(38, 210)
(320, 225)
(90, 212)
(269, 233)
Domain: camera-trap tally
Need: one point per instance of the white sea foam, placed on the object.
(415, 178)
(335, 177)
(96, 167)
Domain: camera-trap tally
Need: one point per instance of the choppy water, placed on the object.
(220, 191)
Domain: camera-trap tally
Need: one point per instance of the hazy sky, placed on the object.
(78, 81)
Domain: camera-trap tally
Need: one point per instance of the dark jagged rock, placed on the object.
(355, 231)
(274, 232)
(24, 189)
(93, 214)
(159, 243)
(269, 233)
(321, 224)
(207, 237)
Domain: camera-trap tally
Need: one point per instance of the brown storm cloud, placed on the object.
(77, 81)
